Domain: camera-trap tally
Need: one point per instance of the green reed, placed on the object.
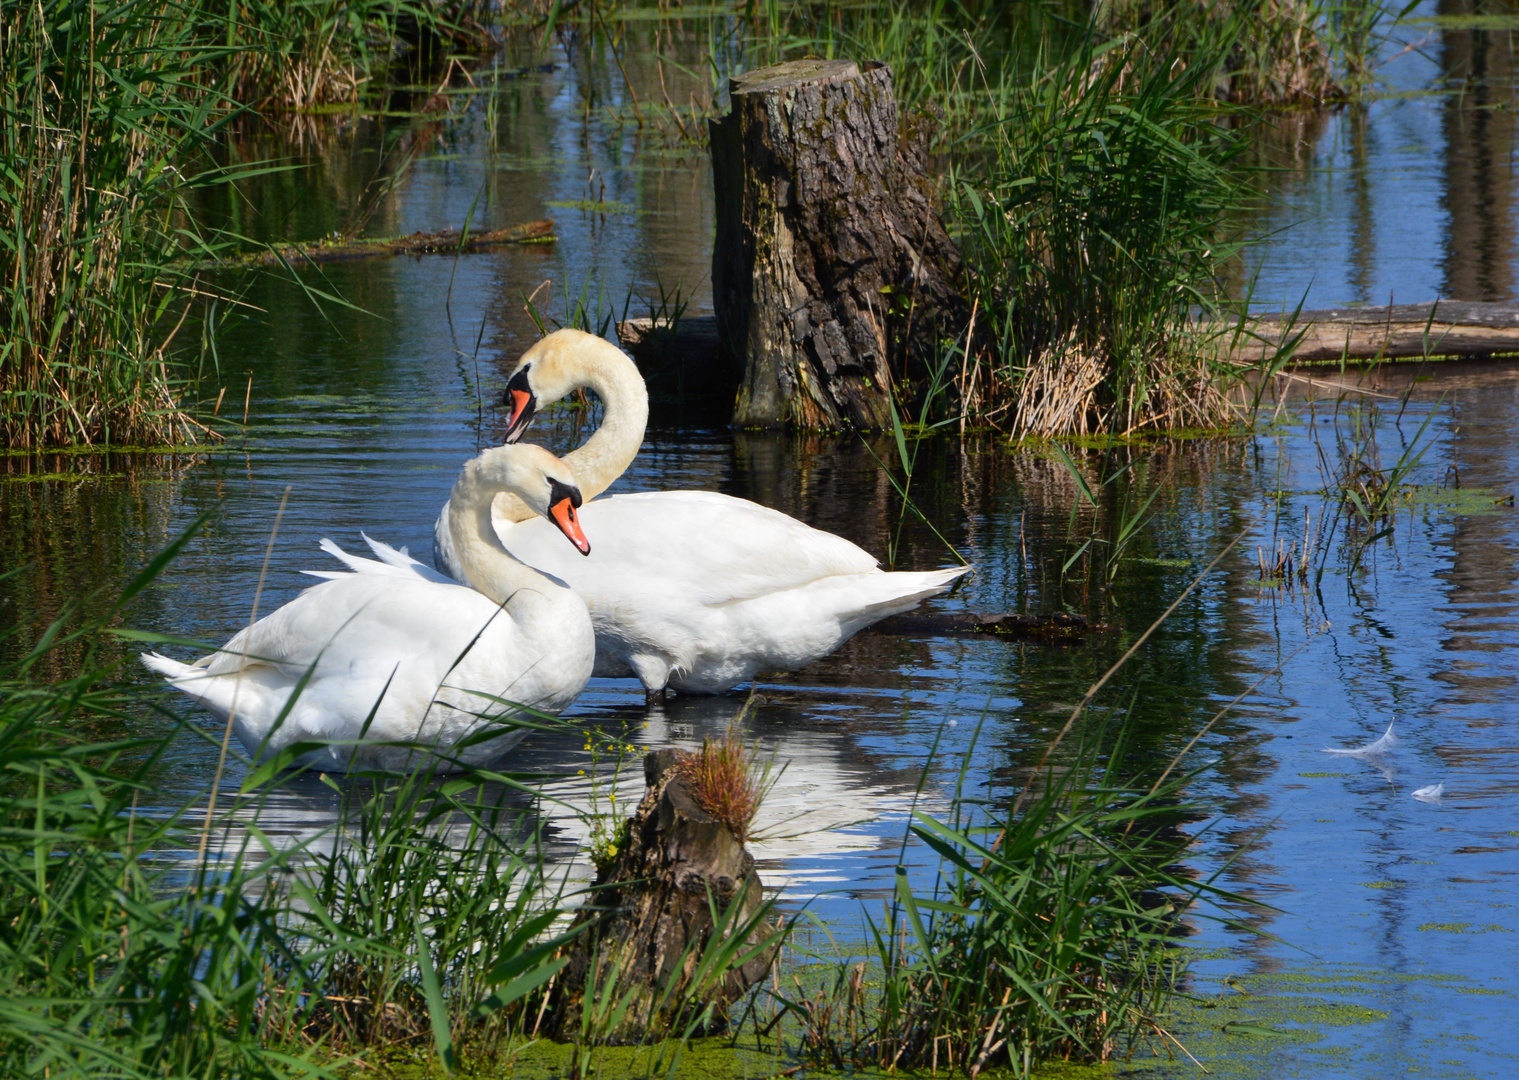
(1049, 932)
(108, 115)
(1096, 231)
(100, 110)
(299, 55)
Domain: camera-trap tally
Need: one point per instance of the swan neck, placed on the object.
(611, 376)
(487, 566)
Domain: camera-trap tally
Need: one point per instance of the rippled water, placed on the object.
(1394, 923)
(1409, 197)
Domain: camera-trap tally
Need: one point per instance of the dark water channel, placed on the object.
(1395, 918)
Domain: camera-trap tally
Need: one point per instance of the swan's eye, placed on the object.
(559, 491)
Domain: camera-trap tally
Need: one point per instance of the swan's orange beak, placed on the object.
(521, 402)
(563, 513)
(519, 395)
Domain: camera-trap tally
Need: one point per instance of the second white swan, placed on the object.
(692, 590)
(395, 659)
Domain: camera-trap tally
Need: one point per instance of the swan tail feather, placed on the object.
(904, 590)
(168, 667)
(391, 562)
(353, 562)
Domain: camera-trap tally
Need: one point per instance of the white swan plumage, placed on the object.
(692, 590)
(396, 657)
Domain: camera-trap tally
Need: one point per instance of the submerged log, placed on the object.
(682, 362)
(651, 922)
(418, 243)
(831, 270)
(1055, 629)
(1439, 329)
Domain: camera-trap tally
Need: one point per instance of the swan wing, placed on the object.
(710, 548)
(392, 562)
(365, 619)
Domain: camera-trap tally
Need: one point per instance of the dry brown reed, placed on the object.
(1067, 390)
(724, 781)
(94, 111)
(1288, 561)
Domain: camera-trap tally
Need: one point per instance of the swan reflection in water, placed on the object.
(829, 804)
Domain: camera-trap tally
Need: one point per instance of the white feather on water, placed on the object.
(1372, 749)
(1431, 793)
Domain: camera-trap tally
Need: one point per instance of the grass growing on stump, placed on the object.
(723, 780)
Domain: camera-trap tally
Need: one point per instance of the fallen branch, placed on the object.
(418, 243)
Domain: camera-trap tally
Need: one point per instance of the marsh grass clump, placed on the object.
(99, 112)
(1095, 230)
(109, 116)
(1287, 56)
(724, 781)
(1048, 934)
(299, 56)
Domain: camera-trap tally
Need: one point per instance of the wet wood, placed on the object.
(831, 270)
(651, 918)
(1057, 628)
(446, 242)
(1443, 328)
(683, 363)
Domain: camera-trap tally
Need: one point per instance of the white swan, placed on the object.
(687, 589)
(400, 654)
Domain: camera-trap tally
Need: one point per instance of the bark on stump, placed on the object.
(831, 270)
(653, 917)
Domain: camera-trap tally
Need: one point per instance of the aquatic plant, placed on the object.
(100, 108)
(1047, 934)
(302, 55)
(1095, 231)
(1286, 57)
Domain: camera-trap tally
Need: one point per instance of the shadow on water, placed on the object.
(1394, 907)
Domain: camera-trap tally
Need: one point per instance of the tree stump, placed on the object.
(651, 921)
(831, 272)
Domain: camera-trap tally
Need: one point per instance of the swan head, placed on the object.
(544, 483)
(553, 368)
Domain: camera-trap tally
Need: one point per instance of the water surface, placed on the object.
(1393, 924)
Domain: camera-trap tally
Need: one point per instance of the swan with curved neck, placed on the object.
(395, 662)
(688, 589)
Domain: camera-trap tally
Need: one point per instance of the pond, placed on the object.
(1390, 943)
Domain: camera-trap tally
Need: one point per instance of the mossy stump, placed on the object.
(831, 271)
(651, 922)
